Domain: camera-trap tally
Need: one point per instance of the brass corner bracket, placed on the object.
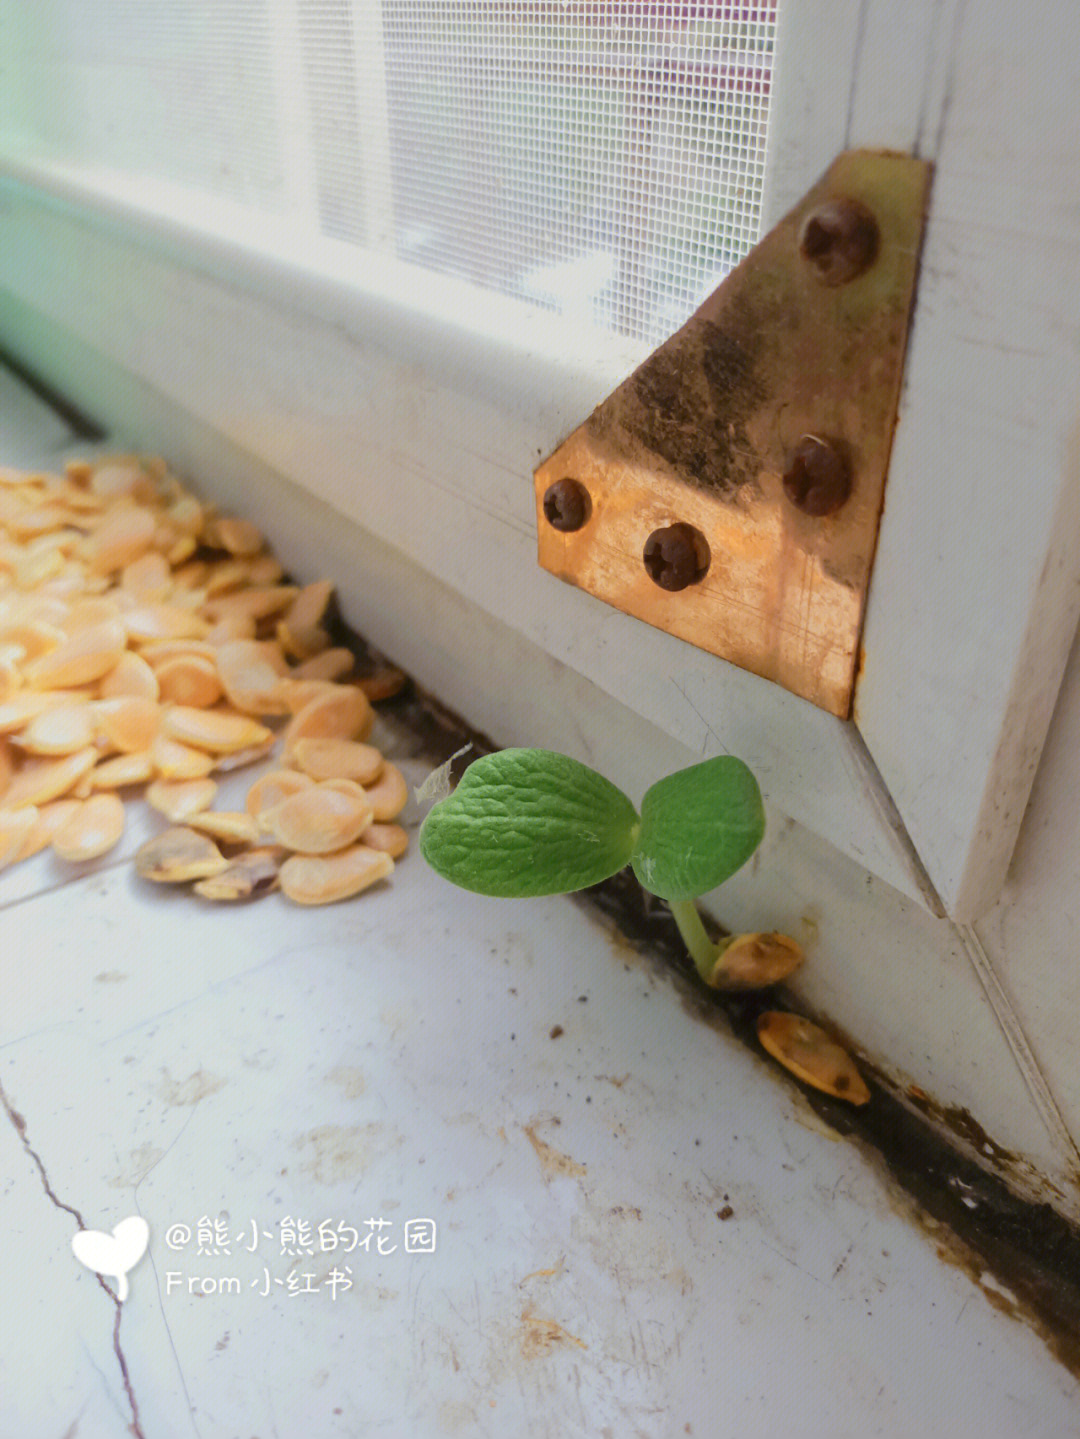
(730, 490)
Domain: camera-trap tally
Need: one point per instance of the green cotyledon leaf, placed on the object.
(529, 822)
(698, 826)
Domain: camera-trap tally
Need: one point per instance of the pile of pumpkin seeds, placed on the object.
(148, 641)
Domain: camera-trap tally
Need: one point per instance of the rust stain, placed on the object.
(553, 1161)
(540, 1336)
(543, 1273)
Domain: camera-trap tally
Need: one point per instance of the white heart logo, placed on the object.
(116, 1253)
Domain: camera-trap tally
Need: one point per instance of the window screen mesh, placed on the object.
(602, 158)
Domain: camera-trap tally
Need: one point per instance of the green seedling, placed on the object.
(527, 822)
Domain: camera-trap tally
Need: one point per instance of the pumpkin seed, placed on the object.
(270, 789)
(251, 672)
(91, 830)
(179, 799)
(189, 680)
(332, 664)
(122, 770)
(318, 820)
(752, 961)
(239, 537)
(391, 839)
(324, 879)
(301, 631)
(62, 730)
(389, 794)
(226, 826)
(148, 578)
(809, 1053)
(382, 684)
(131, 675)
(338, 759)
(128, 723)
(85, 656)
(16, 827)
(173, 760)
(216, 730)
(163, 621)
(119, 539)
(340, 712)
(41, 779)
(179, 855)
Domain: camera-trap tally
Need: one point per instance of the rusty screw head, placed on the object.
(840, 240)
(817, 479)
(566, 505)
(676, 556)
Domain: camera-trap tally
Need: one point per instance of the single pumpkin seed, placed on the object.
(179, 799)
(163, 621)
(811, 1055)
(264, 570)
(62, 730)
(239, 537)
(149, 577)
(389, 794)
(332, 664)
(34, 637)
(341, 712)
(122, 770)
(189, 680)
(86, 655)
(324, 879)
(91, 830)
(131, 675)
(391, 839)
(270, 789)
(179, 855)
(383, 683)
(173, 760)
(752, 961)
(317, 820)
(128, 723)
(226, 826)
(219, 731)
(123, 536)
(338, 759)
(16, 827)
(40, 779)
(251, 672)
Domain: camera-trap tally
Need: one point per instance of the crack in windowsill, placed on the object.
(19, 1124)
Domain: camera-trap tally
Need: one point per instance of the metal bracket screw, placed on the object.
(817, 479)
(566, 505)
(676, 556)
(840, 240)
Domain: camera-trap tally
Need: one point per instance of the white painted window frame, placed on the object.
(418, 407)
